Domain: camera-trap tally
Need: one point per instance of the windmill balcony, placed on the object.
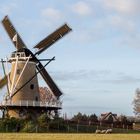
(30, 103)
(19, 55)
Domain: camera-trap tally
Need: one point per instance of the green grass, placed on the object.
(50, 136)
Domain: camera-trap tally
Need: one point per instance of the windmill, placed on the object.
(22, 82)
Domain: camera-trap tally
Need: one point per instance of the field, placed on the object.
(46, 136)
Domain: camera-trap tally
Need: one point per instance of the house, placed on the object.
(112, 120)
(108, 118)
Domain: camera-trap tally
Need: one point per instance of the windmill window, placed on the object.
(32, 86)
(22, 55)
(36, 98)
(18, 54)
(18, 71)
(13, 55)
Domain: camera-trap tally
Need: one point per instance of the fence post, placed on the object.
(97, 127)
(58, 126)
(127, 128)
(6, 128)
(36, 129)
(68, 129)
(89, 123)
(77, 127)
(100, 123)
(112, 125)
(27, 126)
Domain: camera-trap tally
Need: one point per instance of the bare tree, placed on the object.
(46, 95)
(136, 103)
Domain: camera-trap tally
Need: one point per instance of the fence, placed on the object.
(55, 127)
(32, 103)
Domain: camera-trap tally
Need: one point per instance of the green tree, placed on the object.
(77, 117)
(11, 124)
(43, 120)
(80, 117)
(29, 126)
(57, 124)
(84, 118)
(93, 118)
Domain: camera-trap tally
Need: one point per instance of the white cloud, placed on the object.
(51, 18)
(7, 9)
(82, 8)
(123, 24)
(51, 14)
(123, 6)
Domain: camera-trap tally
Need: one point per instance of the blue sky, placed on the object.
(97, 64)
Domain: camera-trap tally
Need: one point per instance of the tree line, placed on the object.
(79, 122)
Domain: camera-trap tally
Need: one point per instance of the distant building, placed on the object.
(108, 118)
(113, 120)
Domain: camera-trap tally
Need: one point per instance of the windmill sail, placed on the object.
(56, 91)
(15, 38)
(3, 82)
(52, 38)
(11, 31)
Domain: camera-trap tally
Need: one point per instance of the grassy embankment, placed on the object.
(46, 136)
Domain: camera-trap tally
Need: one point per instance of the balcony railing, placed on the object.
(30, 103)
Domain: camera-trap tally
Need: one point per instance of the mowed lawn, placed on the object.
(46, 136)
